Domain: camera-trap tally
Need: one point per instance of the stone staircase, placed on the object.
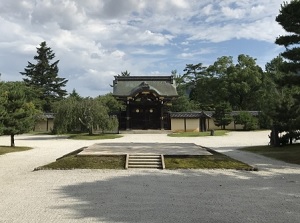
(154, 161)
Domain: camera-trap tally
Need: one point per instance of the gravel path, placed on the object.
(269, 195)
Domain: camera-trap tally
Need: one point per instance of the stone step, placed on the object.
(144, 161)
(144, 156)
(145, 166)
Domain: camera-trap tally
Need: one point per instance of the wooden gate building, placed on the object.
(146, 99)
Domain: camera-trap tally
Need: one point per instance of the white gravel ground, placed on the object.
(269, 195)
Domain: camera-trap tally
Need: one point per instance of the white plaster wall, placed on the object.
(192, 125)
(177, 125)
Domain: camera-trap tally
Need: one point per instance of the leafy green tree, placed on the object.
(85, 114)
(243, 83)
(66, 116)
(206, 92)
(3, 112)
(220, 66)
(210, 89)
(17, 112)
(199, 85)
(43, 77)
(182, 103)
(270, 92)
(95, 115)
(222, 115)
(110, 102)
(240, 83)
(246, 119)
(289, 19)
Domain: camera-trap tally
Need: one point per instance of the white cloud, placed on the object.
(97, 39)
(233, 13)
(208, 10)
(118, 54)
(143, 51)
(195, 53)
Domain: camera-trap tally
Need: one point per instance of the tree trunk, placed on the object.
(291, 140)
(274, 140)
(91, 131)
(12, 140)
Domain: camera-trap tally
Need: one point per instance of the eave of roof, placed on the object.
(164, 86)
(207, 114)
(190, 115)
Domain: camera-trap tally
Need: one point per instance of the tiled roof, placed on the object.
(207, 114)
(253, 113)
(47, 116)
(129, 86)
(188, 115)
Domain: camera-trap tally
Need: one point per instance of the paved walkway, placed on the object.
(145, 148)
(269, 195)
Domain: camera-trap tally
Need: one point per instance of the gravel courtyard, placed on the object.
(271, 194)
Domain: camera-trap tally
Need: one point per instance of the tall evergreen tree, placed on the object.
(287, 118)
(17, 112)
(222, 115)
(43, 77)
(289, 19)
(74, 94)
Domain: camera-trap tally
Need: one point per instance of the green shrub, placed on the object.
(249, 121)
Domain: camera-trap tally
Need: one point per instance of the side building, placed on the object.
(202, 121)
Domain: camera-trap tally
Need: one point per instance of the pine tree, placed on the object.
(289, 19)
(43, 78)
(287, 115)
(222, 115)
(17, 112)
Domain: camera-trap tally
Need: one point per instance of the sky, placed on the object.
(95, 40)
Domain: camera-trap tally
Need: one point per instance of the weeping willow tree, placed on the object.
(83, 115)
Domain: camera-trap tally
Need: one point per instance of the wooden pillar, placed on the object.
(127, 115)
(47, 127)
(162, 115)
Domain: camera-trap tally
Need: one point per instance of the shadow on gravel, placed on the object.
(188, 196)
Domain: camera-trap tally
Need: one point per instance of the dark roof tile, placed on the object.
(129, 86)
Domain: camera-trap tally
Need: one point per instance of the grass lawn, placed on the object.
(8, 149)
(288, 153)
(215, 161)
(198, 134)
(85, 136)
(87, 162)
